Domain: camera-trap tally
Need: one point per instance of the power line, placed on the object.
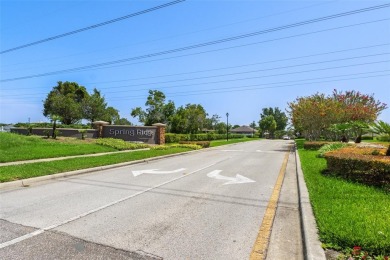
(253, 87)
(231, 67)
(240, 66)
(204, 44)
(228, 48)
(264, 76)
(250, 87)
(92, 26)
(251, 71)
(180, 35)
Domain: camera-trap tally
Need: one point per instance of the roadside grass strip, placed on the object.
(348, 214)
(15, 147)
(25, 171)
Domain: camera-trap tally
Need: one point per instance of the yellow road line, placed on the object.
(259, 249)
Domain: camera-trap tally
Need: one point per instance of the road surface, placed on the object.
(208, 204)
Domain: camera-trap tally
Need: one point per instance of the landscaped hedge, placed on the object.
(203, 144)
(366, 165)
(176, 138)
(315, 145)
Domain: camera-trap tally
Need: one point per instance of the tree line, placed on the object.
(336, 116)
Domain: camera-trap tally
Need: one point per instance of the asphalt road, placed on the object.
(203, 205)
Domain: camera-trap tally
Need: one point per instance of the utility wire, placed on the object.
(233, 47)
(206, 43)
(264, 76)
(256, 86)
(251, 71)
(243, 72)
(240, 66)
(249, 88)
(178, 35)
(92, 26)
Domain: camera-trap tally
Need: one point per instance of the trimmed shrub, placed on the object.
(120, 144)
(315, 145)
(203, 144)
(359, 164)
(330, 147)
(176, 138)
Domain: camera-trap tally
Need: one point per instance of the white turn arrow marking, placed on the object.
(231, 180)
(155, 171)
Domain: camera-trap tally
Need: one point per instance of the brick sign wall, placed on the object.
(145, 134)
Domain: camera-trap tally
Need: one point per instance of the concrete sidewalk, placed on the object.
(68, 157)
(294, 231)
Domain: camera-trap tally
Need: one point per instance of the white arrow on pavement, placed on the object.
(231, 180)
(155, 171)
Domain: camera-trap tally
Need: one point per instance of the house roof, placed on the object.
(243, 129)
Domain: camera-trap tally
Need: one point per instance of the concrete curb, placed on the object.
(311, 245)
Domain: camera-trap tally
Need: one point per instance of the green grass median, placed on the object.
(24, 171)
(14, 147)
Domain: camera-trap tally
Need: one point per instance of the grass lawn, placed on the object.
(215, 143)
(15, 147)
(348, 214)
(24, 171)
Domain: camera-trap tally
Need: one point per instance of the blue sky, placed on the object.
(240, 76)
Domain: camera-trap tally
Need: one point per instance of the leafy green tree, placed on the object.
(157, 111)
(211, 122)
(111, 115)
(268, 124)
(122, 121)
(220, 128)
(189, 119)
(65, 100)
(94, 107)
(280, 117)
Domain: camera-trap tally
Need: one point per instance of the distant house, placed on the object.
(6, 128)
(243, 130)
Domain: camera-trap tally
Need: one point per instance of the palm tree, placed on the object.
(54, 119)
(382, 128)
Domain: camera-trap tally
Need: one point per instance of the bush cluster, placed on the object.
(315, 145)
(50, 125)
(203, 144)
(166, 147)
(330, 147)
(368, 165)
(120, 144)
(176, 138)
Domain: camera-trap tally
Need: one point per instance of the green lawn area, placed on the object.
(24, 171)
(348, 214)
(15, 147)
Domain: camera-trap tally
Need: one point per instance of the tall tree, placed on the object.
(357, 106)
(314, 114)
(268, 124)
(189, 119)
(112, 115)
(280, 117)
(157, 111)
(65, 100)
(211, 122)
(94, 107)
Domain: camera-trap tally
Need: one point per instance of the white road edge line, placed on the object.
(40, 231)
